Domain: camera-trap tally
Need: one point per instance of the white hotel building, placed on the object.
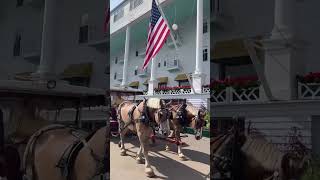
(171, 68)
(275, 40)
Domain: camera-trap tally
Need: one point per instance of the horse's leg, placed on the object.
(122, 133)
(144, 138)
(139, 154)
(178, 140)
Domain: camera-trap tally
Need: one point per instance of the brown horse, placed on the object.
(186, 115)
(58, 152)
(138, 118)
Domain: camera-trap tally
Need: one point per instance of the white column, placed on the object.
(153, 80)
(279, 67)
(126, 57)
(47, 44)
(199, 37)
(198, 76)
(283, 18)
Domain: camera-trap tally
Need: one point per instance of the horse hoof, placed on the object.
(139, 160)
(167, 149)
(123, 153)
(182, 157)
(149, 172)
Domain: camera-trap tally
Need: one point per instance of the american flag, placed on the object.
(158, 33)
(107, 18)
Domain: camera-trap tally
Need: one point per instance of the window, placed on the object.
(205, 27)
(17, 46)
(135, 3)
(205, 54)
(19, 3)
(115, 76)
(184, 83)
(136, 72)
(159, 64)
(165, 63)
(175, 62)
(118, 14)
(162, 85)
(84, 29)
(137, 53)
(116, 60)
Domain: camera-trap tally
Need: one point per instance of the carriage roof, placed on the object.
(63, 93)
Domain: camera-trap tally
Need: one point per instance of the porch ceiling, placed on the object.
(177, 11)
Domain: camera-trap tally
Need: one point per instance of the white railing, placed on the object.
(309, 90)
(174, 91)
(135, 3)
(205, 89)
(231, 95)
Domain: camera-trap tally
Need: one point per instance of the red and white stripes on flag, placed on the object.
(157, 35)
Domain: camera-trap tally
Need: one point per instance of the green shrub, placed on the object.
(313, 171)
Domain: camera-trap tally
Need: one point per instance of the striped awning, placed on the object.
(77, 70)
(134, 84)
(181, 77)
(25, 76)
(162, 80)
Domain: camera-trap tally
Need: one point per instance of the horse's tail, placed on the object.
(28, 156)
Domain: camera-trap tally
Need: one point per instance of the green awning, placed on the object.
(181, 77)
(134, 84)
(25, 76)
(229, 49)
(162, 80)
(77, 70)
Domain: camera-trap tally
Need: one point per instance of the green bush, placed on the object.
(207, 119)
(313, 171)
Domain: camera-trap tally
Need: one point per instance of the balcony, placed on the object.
(174, 65)
(178, 41)
(31, 50)
(97, 38)
(143, 73)
(119, 77)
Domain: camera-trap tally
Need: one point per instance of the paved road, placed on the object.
(166, 165)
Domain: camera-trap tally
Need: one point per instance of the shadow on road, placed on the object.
(169, 167)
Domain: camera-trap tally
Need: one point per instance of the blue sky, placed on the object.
(114, 3)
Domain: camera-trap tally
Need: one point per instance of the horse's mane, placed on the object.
(154, 103)
(262, 152)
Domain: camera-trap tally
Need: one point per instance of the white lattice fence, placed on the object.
(309, 91)
(241, 95)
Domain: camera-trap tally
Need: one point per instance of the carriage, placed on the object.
(28, 106)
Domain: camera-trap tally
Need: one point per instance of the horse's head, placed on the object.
(198, 122)
(162, 117)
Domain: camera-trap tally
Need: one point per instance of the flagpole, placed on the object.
(165, 19)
